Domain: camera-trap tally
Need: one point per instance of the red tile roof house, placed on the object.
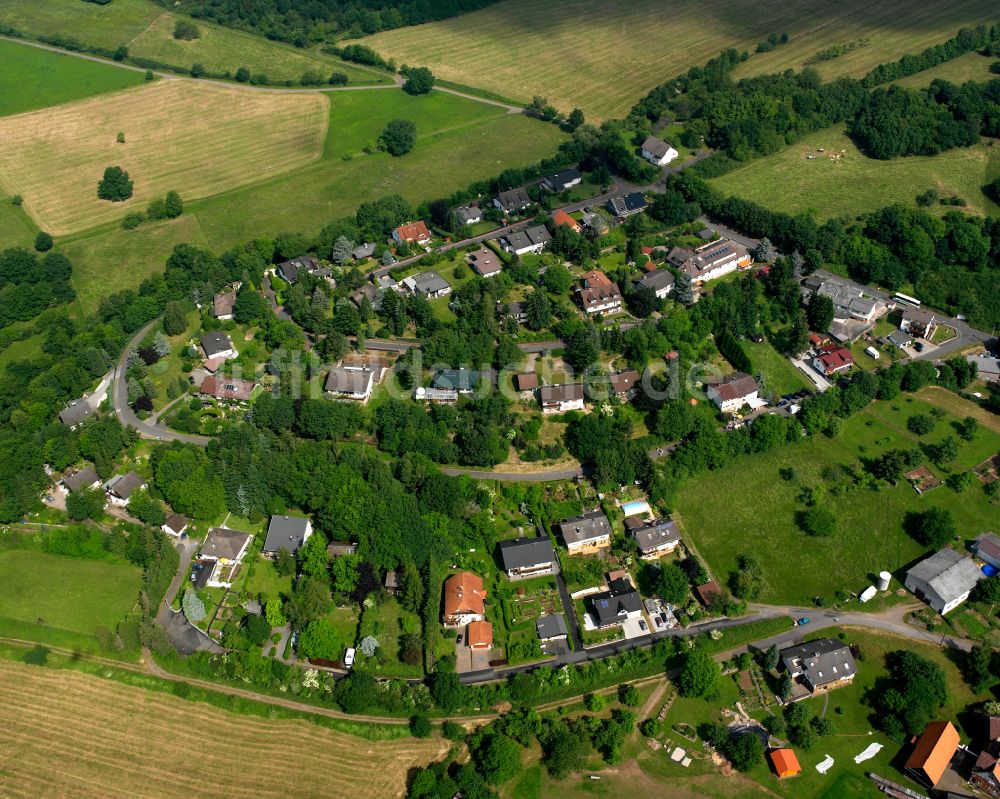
(463, 599)
(560, 217)
(412, 233)
(831, 362)
(227, 388)
(598, 293)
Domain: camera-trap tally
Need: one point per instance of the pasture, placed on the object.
(83, 736)
(147, 30)
(16, 227)
(971, 66)
(761, 503)
(854, 184)
(62, 600)
(197, 139)
(603, 58)
(32, 78)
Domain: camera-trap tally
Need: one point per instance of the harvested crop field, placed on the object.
(72, 734)
(603, 57)
(194, 138)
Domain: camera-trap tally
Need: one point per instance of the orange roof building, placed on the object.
(463, 599)
(560, 217)
(933, 752)
(479, 635)
(785, 763)
(412, 232)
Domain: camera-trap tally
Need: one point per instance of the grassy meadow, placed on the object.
(147, 30)
(603, 58)
(971, 66)
(16, 227)
(761, 505)
(31, 78)
(854, 184)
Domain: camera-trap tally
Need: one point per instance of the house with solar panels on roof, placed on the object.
(710, 261)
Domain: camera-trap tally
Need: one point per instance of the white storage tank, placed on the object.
(884, 578)
(868, 593)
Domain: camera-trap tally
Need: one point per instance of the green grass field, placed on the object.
(147, 30)
(56, 599)
(789, 181)
(16, 227)
(761, 506)
(603, 57)
(780, 374)
(31, 78)
(21, 350)
(971, 66)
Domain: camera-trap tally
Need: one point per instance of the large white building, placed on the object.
(943, 580)
(658, 152)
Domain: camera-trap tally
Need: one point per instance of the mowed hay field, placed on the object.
(148, 31)
(194, 138)
(854, 184)
(603, 57)
(68, 734)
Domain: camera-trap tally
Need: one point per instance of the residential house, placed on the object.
(479, 635)
(484, 262)
(363, 251)
(121, 487)
(562, 180)
(428, 284)
(820, 665)
(286, 533)
(441, 396)
(943, 580)
(918, 322)
(463, 599)
(849, 302)
(368, 291)
(81, 480)
(223, 551)
(656, 539)
(707, 234)
(551, 628)
(469, 215)
(222, 305)
(175, 525)
(228, 389)
(337, 549)
(77, 412)
(624, 384)
(386, 283)
(515, 309)
(708, 593)
(560, 217)
(733, 392)
(216, 345)
(587, 533)
(988, 367)
(833, 360)
(785, 763)
(529, 240)
(987, 548)
(393, 582)
(289, 271)
(594, 221)
(623, 207)
(618, 604)
(710, 261)
(933, 753)
(412, 233)
(659, 281)
(354, 381)
(527, 557)
(598, 293)
(900, 339)
(985, 776)
(526, 381)
(657, 151)
(512, 201)
(462, 380)
(561, 398)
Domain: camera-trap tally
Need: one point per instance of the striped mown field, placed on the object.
(75, 735)
(603, 56)
(197, 139)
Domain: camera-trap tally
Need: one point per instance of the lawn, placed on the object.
(198, 139)
(761, 505)
(387, 622)
(16, 227)
(855, 184)
(22, 350)
(147, 30)
(265, 580)
(780, 375)
(31, 78)
(586, 53)
(62, 600)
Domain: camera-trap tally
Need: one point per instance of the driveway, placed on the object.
(185, 637)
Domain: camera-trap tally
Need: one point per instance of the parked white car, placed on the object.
(349, 658)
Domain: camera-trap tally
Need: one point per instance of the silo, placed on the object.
(884, 579)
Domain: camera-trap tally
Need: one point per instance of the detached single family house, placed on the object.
(562, 180)
(532, 239)
(227, 389)
(464, 599)
(462, 380)
(469, 214)
(216, 345)
(657, 151)
(820, 665)
(551, 628)
(224, 550)
(81, 480)
(526, 381)
(175, 525)
(560, 217)
(354, 382)
(733, 392)
(918, 322)
(289, 270)
(484, 262)
(587, 533)
(933, 752)
(363, 251)
(659, 281)
(121, 487)
(710, 261)
(286, 533)
(412, 233)
(656, 539)
(75, 413)
(222, 305)
(624, 384)
(624, 207)
(428, 284)
(943, 580)
(833, 361)
(618, 604)
(513, 201)
(561, 398)
(516, 309)
(527, 557)
(598, 293)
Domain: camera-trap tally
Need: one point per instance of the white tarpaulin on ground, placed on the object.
(869, 753)
(825, 766)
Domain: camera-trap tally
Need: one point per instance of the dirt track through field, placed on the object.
(68, 734)
(194, 138)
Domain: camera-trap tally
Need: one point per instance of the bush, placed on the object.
(185, 30)
(43, 241)
(629, 695)
(817, 521)
(399, 136)
(420, 726)
(116, 185)
(419, 80)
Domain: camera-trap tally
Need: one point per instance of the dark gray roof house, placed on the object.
(288, 533)
(522, 556)
(659, 536)
(531, 239)
(581, 530)
(512, 200)
(551, 628)
(336, 549)
(464, 381)
(363, 251)
(216, 343)
(221, 543)
(615, 605)
(629, 204)
(820, 664)
(124, 486)
(74, 413)
(85, 478)
(562, 180)
(469, 214)
(289, 270)
(660, 281)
